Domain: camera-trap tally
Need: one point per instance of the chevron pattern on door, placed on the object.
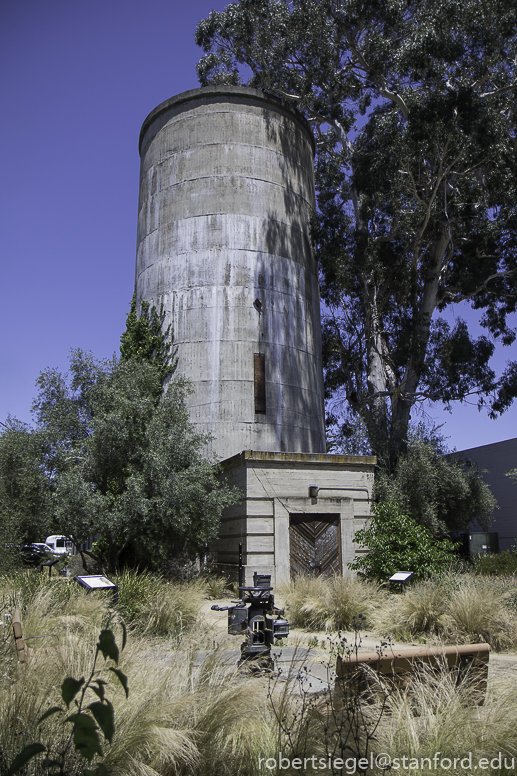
(315, 545)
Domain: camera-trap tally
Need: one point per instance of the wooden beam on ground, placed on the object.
(395, 666)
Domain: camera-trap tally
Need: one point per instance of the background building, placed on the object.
(494, 461)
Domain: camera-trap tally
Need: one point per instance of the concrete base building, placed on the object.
(299, 513)
(226, 197)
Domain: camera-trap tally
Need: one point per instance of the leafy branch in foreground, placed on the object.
(87, 722)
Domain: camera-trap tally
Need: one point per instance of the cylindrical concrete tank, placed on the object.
(226, 191)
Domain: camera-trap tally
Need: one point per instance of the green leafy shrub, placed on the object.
(395, 542)
(435, 489)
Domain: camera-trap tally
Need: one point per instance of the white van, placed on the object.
(60, 545)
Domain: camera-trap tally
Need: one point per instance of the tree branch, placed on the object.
(456, 299)
(499, 91)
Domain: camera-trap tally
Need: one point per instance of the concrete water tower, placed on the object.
(226, 194)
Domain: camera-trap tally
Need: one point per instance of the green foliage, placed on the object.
(512, 474)
(395, 542)
(412, 106)
(24, 498)
(87, 722)
(347, 434)
(145, 340)
(120, 461)
(429, 484)
(434, 489)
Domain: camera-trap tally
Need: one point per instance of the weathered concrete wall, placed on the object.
(275, 487)
(226, 190)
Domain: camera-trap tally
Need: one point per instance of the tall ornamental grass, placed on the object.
(455, 609)
(434, 714)
(189, 713)
(183, 716)
(329, 603)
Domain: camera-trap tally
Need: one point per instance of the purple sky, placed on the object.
(77, 80)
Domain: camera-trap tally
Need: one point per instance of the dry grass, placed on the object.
(179, 718)
(217, 586)
(420, 611)
(436, 715)
(189, 717)
(176, 719)
(481, 611)
(330, 603)
(157, 607)
(461, 608)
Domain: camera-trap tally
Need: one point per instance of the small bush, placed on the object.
(396, 542)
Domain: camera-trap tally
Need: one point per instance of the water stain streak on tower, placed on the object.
(226, 192)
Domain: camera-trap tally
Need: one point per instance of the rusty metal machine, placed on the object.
(256, 617)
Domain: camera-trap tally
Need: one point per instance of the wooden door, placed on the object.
(315, 546)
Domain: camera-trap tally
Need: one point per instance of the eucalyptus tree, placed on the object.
(413, 109)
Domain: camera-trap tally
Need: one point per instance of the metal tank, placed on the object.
(226, 192)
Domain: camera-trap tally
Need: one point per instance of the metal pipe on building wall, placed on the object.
(226, 192)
